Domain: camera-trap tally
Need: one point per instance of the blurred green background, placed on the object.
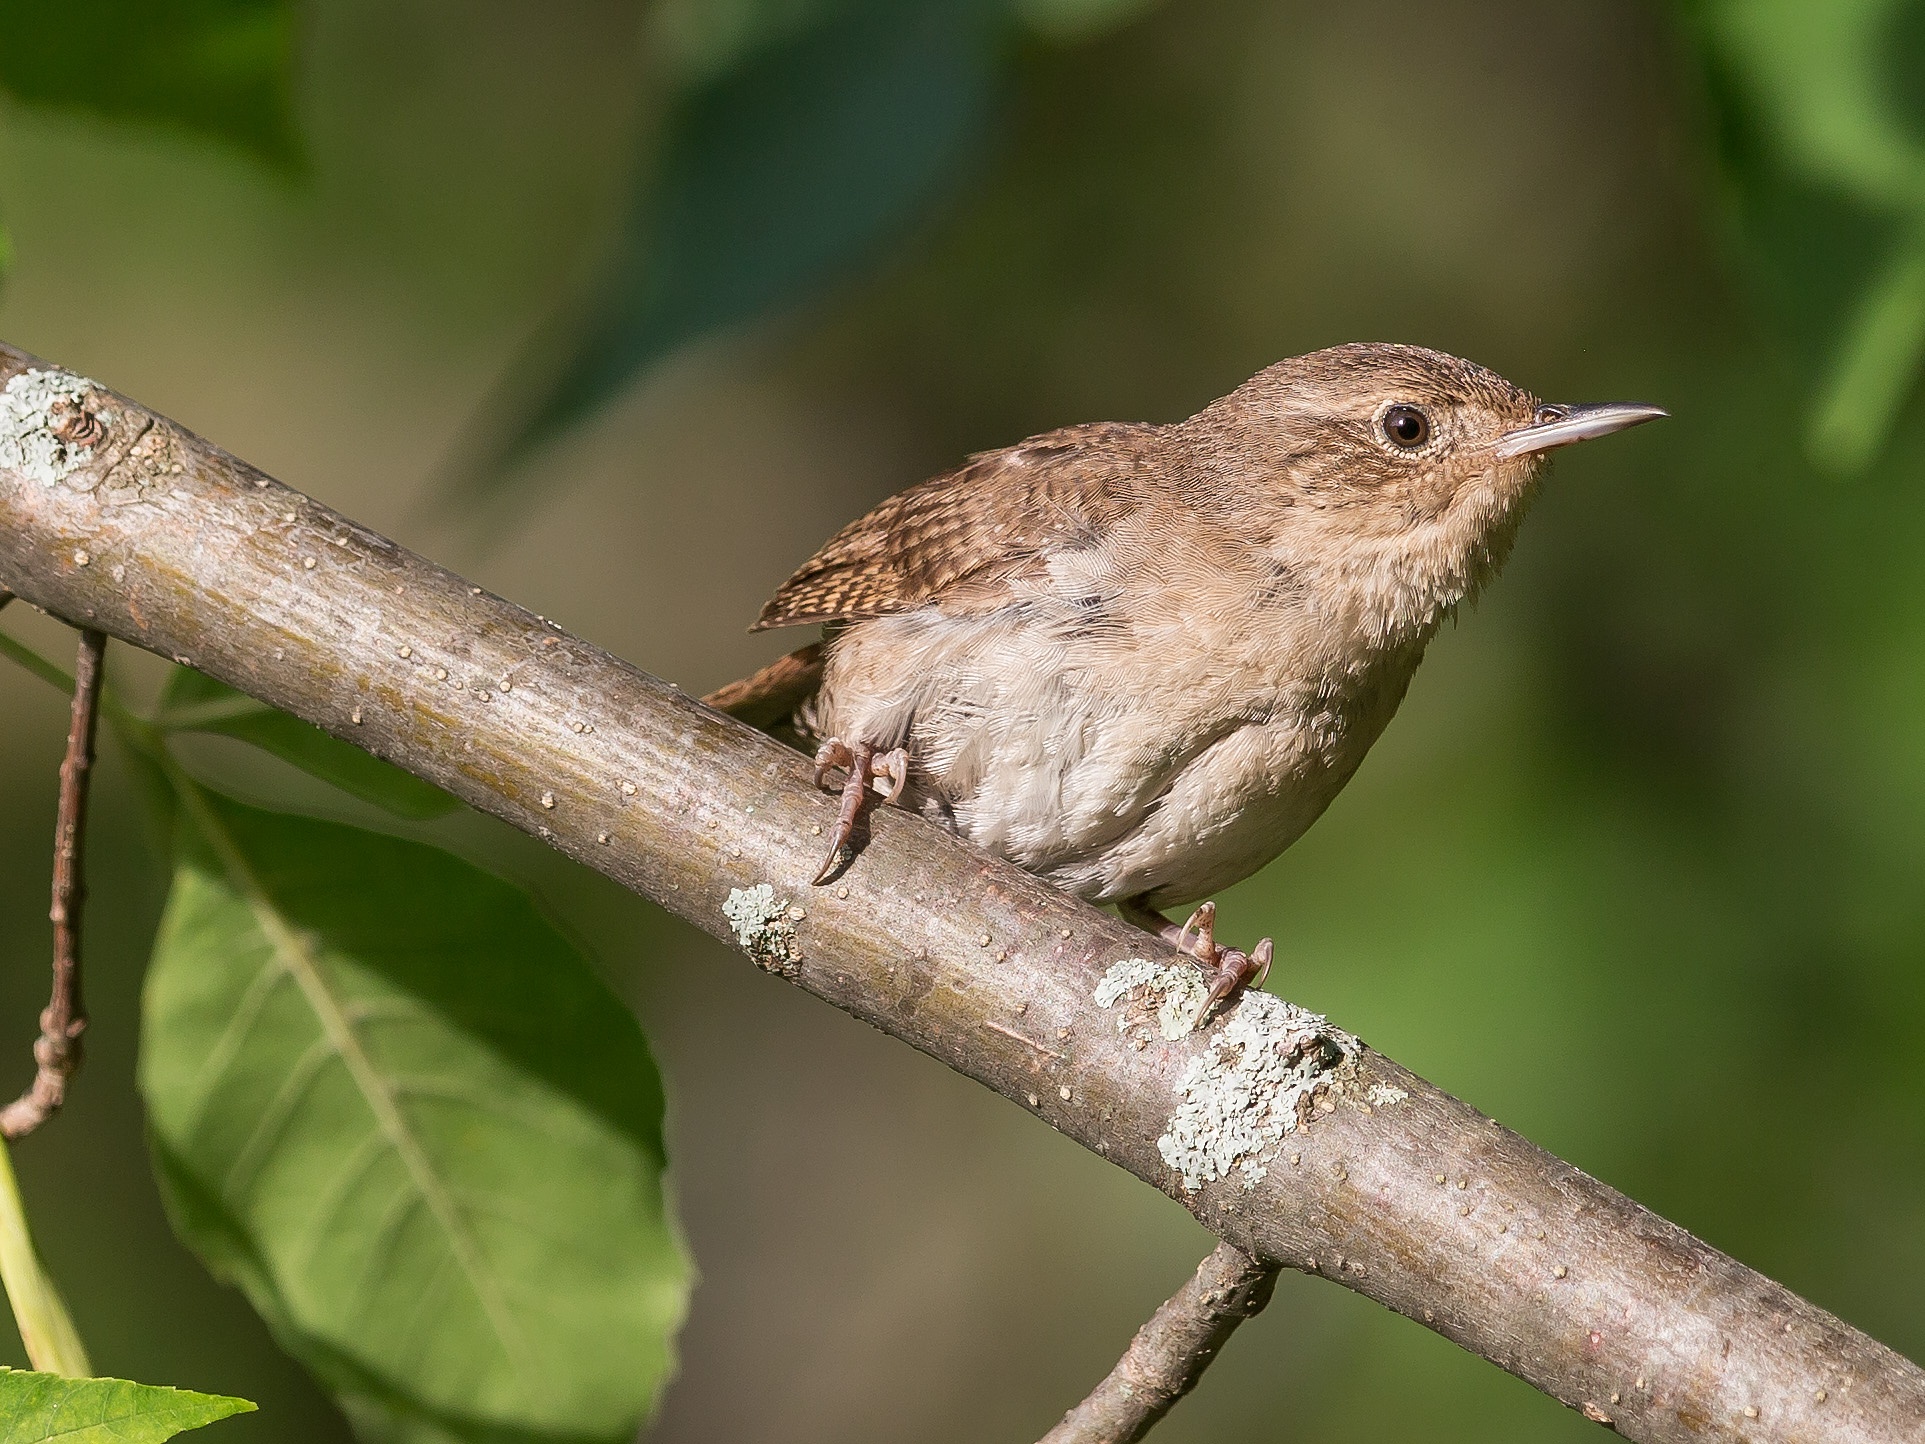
(1640, 869)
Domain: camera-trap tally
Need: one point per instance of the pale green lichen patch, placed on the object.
(1170, 997)
(32, 409)
(1258, 1080)
(765, 925)
(1382, 1095)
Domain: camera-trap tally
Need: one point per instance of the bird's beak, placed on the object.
(1562, 425)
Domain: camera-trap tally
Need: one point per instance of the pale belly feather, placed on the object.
(1076, 759)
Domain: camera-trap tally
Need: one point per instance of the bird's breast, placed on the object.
(1110, 767)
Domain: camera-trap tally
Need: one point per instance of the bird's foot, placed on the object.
(866, 768)
(1231, 970)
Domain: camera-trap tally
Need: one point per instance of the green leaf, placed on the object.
(778, 175)
(195, 702)
(222, 68)
(36, 1407)
(391, 1103)
(1820, 114)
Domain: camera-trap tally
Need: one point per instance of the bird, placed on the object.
(1139, 660)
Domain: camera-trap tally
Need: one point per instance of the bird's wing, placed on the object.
(974, 527)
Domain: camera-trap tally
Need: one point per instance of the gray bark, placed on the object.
(116, 519)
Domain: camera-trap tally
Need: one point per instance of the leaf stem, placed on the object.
(137, 731)
(53, 1344)
(201, 715)
(35, 663)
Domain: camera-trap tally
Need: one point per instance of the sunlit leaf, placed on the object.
(223, 68)
(39, 1407)
(1820, 111)
(392, 1104)
(195, 702)
(777, 175)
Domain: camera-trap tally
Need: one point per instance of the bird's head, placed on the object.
(1391, 478)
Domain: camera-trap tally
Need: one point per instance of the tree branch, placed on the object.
(57, 1053)
(1170, 1352)
(1283, 1135)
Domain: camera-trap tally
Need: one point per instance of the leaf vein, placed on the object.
(306, 971)
(260, 1143)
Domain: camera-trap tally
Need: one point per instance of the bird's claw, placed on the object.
(1231, 970)
(1234, 971)
(1204, 923)
(829, 756)
(864, 768)
(1203, 920)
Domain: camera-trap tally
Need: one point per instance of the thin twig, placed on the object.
(1170, 1352)
(57, 1051)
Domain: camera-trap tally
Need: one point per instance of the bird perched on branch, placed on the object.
(1140, 660)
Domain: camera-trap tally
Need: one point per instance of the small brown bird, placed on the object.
(1140, 660)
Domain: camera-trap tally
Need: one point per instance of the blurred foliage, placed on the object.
(221, 68)
(814, 132)
(37, 1407)
(194, 702)
(1820, 119)
(396, 1107)
(700, 40)
(777, 172)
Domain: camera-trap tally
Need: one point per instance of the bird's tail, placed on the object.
(769, 699)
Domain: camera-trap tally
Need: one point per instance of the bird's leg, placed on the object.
(865, 769)
(1137, 913)
(1203, 923)
(1231, 970)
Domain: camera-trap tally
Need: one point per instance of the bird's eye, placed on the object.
(1406, 426)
